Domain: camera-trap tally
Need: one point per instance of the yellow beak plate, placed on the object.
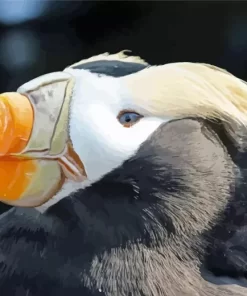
(36, 155)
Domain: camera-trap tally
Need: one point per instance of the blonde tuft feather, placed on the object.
(189, 89)
(121, 56)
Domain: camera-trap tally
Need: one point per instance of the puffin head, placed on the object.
(97, 113)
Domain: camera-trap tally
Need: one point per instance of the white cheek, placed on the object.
(102, 142)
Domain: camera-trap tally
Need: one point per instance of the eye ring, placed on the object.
(128, 118)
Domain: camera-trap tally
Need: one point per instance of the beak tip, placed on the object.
(16, 121)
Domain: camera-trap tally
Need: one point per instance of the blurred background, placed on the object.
(40, 36)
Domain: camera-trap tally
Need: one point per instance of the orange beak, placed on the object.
(35, 161)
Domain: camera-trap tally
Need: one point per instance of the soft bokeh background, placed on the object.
(37, 37)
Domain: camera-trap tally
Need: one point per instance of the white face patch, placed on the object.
(99, 139)
(101, 142)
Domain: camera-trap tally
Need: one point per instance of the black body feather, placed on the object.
(132, 231)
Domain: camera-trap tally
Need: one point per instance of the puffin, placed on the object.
(157, 205)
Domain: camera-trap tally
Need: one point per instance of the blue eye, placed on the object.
(128, 119)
